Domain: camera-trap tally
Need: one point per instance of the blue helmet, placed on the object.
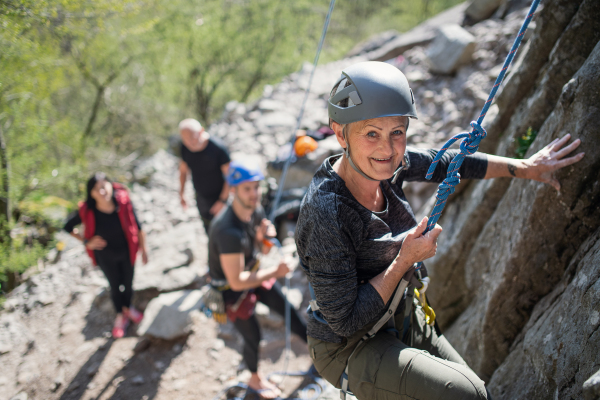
(240, 172)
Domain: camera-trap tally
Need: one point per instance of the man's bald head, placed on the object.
(191, 125)
(192, 134)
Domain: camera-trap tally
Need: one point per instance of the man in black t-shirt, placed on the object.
(235, 237)
(208, 160)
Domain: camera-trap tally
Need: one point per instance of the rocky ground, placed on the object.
(55, 328)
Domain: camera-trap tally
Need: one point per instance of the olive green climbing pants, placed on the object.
(384, 367)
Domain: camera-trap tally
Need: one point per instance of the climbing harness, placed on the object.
(412, 281)
(212, 303)
(388, 318)
(301, 114)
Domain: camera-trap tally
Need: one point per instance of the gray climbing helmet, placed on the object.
(370, 89)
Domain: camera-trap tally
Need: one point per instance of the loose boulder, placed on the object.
(169, 315)
(452, 47)
(478, 10)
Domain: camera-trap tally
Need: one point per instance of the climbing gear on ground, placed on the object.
(305, 145)
(240, 172)
(470, 143)
(286, 166)
(370, 89)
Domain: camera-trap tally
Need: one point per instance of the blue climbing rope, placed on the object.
(470, 143)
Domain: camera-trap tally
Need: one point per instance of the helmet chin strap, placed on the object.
(404, 164)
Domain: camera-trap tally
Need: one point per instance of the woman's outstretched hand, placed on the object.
(418, 246)
(542, 165)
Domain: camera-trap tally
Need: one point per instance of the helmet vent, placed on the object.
(349, 100)
(354, 98)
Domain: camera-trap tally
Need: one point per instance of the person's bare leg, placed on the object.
(266, 389)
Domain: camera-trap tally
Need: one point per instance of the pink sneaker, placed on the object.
(134, 315)
(120, 327)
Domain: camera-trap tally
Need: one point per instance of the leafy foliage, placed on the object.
(524, 142)
(91, 85)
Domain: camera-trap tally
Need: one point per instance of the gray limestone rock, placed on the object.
(503, 272)
(373, 43)
(591, 387)
(448, 289)
(479, 10)
(418, 36)
(168, 316)
(452, 47)
(558, 348)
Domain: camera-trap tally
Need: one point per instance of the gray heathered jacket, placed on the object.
(342, 245)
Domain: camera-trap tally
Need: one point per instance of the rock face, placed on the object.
(560, 344)
(516, 277)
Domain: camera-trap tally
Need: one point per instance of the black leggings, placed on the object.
(250, 329)
(119, 272)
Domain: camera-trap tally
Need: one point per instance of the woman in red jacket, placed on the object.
(112, 236)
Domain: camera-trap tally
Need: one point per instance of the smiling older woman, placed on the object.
(357, 236)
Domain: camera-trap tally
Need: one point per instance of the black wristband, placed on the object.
(85, 241)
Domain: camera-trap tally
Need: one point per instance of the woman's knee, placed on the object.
(429, 377)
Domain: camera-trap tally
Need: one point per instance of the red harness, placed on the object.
(125, 211)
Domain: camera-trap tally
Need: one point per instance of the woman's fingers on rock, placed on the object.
(568, 161)
(560, 142)
(566, 150)
(551, 144)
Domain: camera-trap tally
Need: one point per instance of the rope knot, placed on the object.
(448, 186)
(470, 144)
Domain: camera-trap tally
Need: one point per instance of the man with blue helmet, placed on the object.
(236, 235)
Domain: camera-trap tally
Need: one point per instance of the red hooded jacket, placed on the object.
(125, 211)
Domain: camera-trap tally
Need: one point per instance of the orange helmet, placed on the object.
(305, 145)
